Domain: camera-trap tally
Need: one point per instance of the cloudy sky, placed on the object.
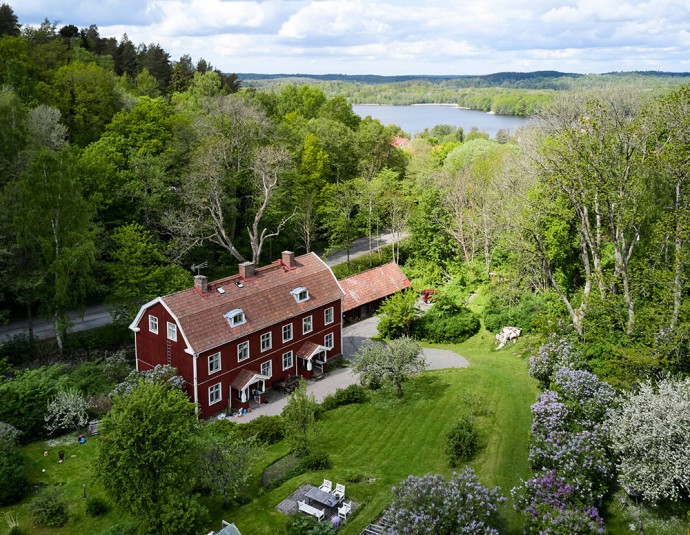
(394, 36)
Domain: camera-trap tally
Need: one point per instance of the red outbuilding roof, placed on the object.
(264, 298)
(373, 284)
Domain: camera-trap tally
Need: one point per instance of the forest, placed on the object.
(120, 168)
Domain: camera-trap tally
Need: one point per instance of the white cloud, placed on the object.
(395, 36)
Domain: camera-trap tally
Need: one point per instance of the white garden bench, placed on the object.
(313, 511)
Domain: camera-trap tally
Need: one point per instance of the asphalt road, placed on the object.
(97, 315)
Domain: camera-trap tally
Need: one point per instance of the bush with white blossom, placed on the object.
(650, 434)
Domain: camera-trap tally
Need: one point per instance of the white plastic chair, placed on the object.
(345, 510)
(326, 486)
(339, 491)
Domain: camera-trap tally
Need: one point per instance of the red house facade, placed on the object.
(233, 338)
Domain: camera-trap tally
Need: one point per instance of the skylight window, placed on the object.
(235, 317)
(300, 294)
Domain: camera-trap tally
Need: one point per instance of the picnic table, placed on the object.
(324, 498)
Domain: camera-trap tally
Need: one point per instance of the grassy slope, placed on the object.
(388, 439)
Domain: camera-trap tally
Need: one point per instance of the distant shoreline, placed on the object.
(421, 104)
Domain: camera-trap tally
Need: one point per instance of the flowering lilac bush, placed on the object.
(552, 506)
(550, 414)
(431, 504)
(580, 458)
(557, 352)
(588, 398)
(163, 373)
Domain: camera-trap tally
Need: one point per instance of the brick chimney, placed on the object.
(247, 270)
(201, 283)
(288, 259)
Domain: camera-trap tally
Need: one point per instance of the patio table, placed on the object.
(324, 498)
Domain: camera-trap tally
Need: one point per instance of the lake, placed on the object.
(414, 119)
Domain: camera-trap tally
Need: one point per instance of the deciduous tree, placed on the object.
(299, 415)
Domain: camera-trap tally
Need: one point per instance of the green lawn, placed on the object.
(387, 439)
(373, 446)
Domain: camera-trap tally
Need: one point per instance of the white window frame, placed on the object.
(287, 326)
(172, 331)
(332, 339)
(307, 321)
(211, 359)
(328, 316)
(235, 317)
(270, 368)
(266, 341)
(240, 348)
(300, 294)
(153, 324)
(292, 360)
(214, 390)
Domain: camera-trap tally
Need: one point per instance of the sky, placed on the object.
(442, 37)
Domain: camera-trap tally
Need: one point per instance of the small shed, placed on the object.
(365, 291)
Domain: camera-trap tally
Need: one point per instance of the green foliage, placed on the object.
(528, 311)
(344, 396)
(153, 425)
(440, 326)
(126, 528)
(266, 429)
(96, 506)
(367, 261)
(397, 313)
(23, 399)
(50, 509)
(299, 417)
(13, 473)
(301, 524)
(68, 410)
(461, 441)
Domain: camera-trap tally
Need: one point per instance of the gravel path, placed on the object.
(353, 337)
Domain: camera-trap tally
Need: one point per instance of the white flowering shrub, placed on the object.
(650, 433)
(67, 410)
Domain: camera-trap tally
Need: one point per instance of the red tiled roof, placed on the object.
(309, 349)
(265, 300)
(244, 378)
(373, 284)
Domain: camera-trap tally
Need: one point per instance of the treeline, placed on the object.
(119, 169)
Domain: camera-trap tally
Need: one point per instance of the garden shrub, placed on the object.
(396, 314)
(13, 473)
(316, 460)
(431, 504)
(344, 396)
(49, 509)
(23, 399)
(528, 311)
(557, 352)
(126, 528)
(300, 524)
(461, 441)
(96, 506)
(266, 429)
(447, 326)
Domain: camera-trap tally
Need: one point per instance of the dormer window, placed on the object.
(235, 317)
(300, 294)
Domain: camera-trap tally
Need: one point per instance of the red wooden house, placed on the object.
(233, 338)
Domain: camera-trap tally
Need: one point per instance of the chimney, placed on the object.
(288, 259)
(247, 270)
(201, 283)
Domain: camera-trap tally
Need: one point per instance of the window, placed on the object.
(287, 332)
(153, 324)
(214, 363)
(242, 351)
(287, 360)
(214, 394)
(172, 332)
(235, 317)
(267, 368)
(265, 341)
(328, 341)
(300, 294)
(328, 315)
(306, 325)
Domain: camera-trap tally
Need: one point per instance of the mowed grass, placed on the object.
(69, 477)
(373, 447)
(376, 445)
